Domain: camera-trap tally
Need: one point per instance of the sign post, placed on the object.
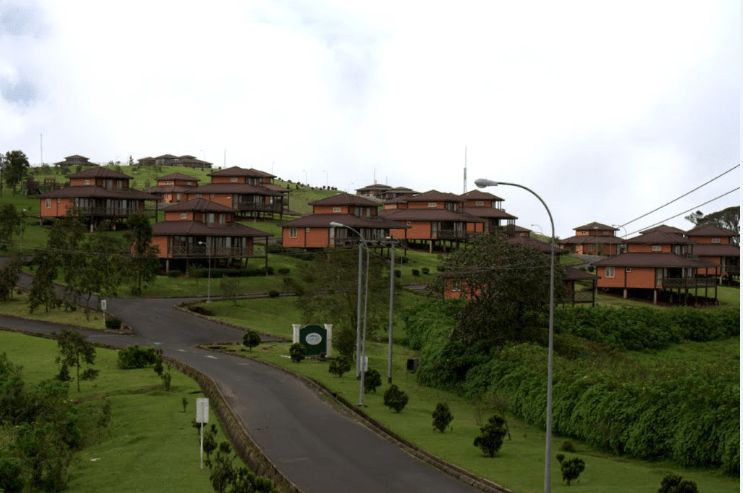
(104, 305)
(202, 416)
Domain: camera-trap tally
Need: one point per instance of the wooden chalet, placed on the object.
(74, 160)
(377, 191)
(659, 265)
(715, 245)
(95, 195)
(186, 161)
(198, 231)
(315, 230)
(433, 218)
(250, 192)
(593, 239)
(173, 188)
(396, 192)
(489, 208)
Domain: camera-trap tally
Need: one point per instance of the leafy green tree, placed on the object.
(15, 168)
(104, 267)
(327, 289)
(42, 286)
(673, 483)
(372, 380)
(11, 480)
(144, 255)
(728, 218)
(10, 222)
(230, 288)
(251, 339)
(76, 351)
(442, 417)
(339, 366)
(222, 472)
(492, 435)
(296, 352)
(9, 275)
(395, 399)
(571, 469)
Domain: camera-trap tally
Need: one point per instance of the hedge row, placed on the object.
(641, 328)
(686, 412)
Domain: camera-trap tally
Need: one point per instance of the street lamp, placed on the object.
(538, 226)
(22, 227)
(359, 344)
(208, 271)
(391, 242)
(482, 183)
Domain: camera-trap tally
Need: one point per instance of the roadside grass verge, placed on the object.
(18, 307)
(150, 445)
(519, 464)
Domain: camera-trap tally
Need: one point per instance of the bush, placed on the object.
(136, 357)
(398, 273)
(283, 270)
(491, 435)
(273, 294)
(425, 270)
(201, 310)
(296, 352)
(673, 483)
(395, 399)
(251, 339)
(113, 323)
(372, 380)
(339, 366)
(441, 417)
(416, 272)
(571, 469)
(567, 446)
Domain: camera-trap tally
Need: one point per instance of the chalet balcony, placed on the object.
(248, 206)
(731, 269)
(216, 251)
(449, 235)
(111, 212)
(688, 282)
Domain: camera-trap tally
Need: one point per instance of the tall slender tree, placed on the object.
(144, 260)
(15, 168)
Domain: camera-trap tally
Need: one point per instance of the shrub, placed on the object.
(339, 366)
(296, 352)
(113, 323)
(567, 446)
(283, 270)
(491, 435)
(416, 272)
(136, 357)
(673, 483)
(425, 270)
(398, 273)
(441, 417)
(201, 310)
(372, 380)
(395, 399)
(251, 339)
(273, 294)
(571, 469)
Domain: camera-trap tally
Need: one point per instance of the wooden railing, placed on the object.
(688, 282)
(103, 211)
(258, 207)
(449, 235)
(200, 251)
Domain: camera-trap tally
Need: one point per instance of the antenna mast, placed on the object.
(465, 170)
(41, 148)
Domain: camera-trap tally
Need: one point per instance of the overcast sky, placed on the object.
(607, 109)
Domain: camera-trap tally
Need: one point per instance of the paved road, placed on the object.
(311, 443)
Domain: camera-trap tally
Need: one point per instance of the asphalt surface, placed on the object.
(312, 444)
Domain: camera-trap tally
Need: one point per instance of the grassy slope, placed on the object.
(18, 307)
(150, 442)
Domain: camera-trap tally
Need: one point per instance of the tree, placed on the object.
(728, 218)
(9, 277)
(339, 366)
(571, 468)
(222, 470)
(10, 223)
(327, 291)
(296, 352)
(230, 288)
(103, 269)
(395, 399)
(491, 435)
(15, 168)
(144, 260)
(251, 339)
(76, 351)
(442, 417)
(372, 380)
(42, 286)
(673, 483)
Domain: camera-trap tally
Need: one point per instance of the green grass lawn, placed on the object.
(728, 296)
(150, 445)
(18, 307)
(519, 464)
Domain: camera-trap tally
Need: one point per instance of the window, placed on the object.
(48, 203)
(655, 248)
(336, 209)
(184, 215)
(233, 179)
(432, 205)
(87, 182)
(479, 203)
(292, 232)
(715, 240)
(628, 269)
(609, 272)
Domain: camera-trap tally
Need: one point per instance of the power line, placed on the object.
(686, 211)
(680, 197)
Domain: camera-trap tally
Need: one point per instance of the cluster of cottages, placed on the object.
(201, 224)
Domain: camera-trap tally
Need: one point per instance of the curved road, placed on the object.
(313, 445)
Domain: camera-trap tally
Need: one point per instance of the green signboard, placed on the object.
(314, 338)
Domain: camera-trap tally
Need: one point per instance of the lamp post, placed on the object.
(482, 183)
(391, 242)
(208, 271)
(22, 227)
(359, 343)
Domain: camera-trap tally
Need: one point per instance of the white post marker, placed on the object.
(202, 417)
(329, 340)
(104, 305)
(295, 333)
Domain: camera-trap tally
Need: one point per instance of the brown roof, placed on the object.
(573, 274)
(238, 188)
(275, 188)
(169, 188)
(658, 238)
(201, 205)
(428, 215)
(177, 176)
(434, 196)
(596, 226)
(238, 171)
(663, 229)
(76, 156)
(100, 172)
(192, 228)
(488, 213)
(715, 250)
(90, 191)
(710, 230)
(592, 240)
(479, 195)
(651, 260)
(324, 220)
(402, 189)
(376, 186)
(345, 199)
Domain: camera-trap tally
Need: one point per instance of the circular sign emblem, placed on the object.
(313, 339)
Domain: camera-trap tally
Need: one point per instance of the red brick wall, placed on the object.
(57, 207)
